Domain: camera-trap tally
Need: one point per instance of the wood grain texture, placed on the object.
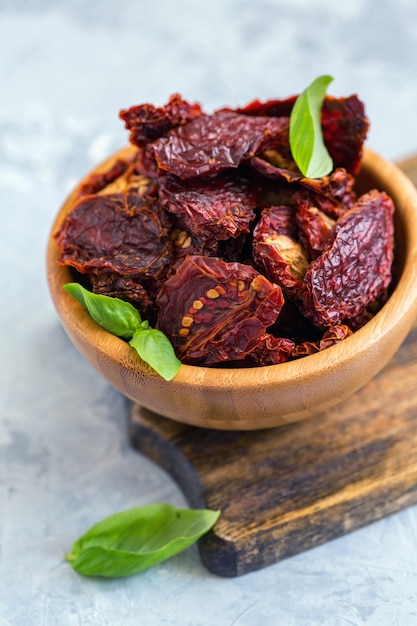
(285, 490)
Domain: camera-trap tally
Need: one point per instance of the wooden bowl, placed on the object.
(259, 397)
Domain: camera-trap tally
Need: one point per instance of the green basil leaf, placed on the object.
(306, 136)
(113, 314)
(155, 348)
(134, 540)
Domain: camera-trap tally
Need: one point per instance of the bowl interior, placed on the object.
(261, 397)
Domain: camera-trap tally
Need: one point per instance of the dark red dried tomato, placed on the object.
(333, 201)
(354, 268)
(270, 350)
(212, 143)
(147, 122)
(144, 165)
(215, 311)
(330, 337)
(269, 108)
(344, 123)
(334, 335)
(305, 348)
(277, 250)
(334, 192)
(220, 207)
(345, 127)
(119, 233)
(125, 288)
(314, 228)
(97, 182)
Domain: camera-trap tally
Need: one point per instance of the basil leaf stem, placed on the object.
(306, 136)
(122, 319)
(132, 541)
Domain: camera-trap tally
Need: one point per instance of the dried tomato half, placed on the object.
(334, 192)
(212, 143)
(277, 250)
(139, 176)
(345, 127)
(344, 124)
(314, 228)
(221, 206)
(96, 182)
(333, 335)
(215, 312)
(125, 288)
(354, 268)
(119, 233)
(147, 122)
(270, 350)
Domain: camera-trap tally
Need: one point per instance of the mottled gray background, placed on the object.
(66, 68)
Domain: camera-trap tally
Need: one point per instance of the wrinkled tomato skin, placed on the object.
(345, 125)
(147, 122)
(277, 250)
(119, 233)
(214, 311)
(211, 144)
(221, 206)
(354, 268)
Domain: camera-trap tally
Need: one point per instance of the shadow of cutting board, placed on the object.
(285, 490)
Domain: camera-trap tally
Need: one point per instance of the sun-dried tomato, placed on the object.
(344, 123)
(335, 192)
(221, 206)
(97, 182)
(270, 350)
(125, 288)
(333, 335)
(212, 143)
(354, 268)
(277, 251)
(147, 122)
(269, 108)
(215, 311)
(345, 127)
(330, 337)
(314, 228)
(305, 348)
(186, 242)
(333, 201)
(120, 233)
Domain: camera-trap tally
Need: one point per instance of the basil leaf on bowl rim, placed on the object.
(114, 315)
(132, 541)
(306, 136)
(155, 348)
(122, 319)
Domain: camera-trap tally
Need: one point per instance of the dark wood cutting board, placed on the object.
(285, 490)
